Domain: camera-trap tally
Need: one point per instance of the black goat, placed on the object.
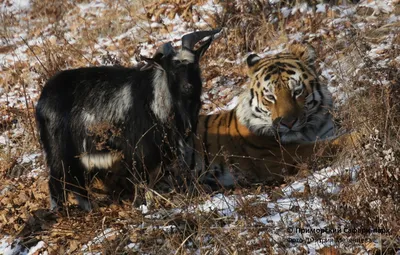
(139, 118)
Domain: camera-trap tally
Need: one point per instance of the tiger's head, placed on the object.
(285, 97)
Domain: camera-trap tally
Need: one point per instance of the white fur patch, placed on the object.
(88, 118)
(53, 204)
(294, 83)
(184, 150)
(321, 125)
(185, 55)
(113, 110)
(120, 103)
(245, 113)
(162, 102)
(100, 160)
(252, 59)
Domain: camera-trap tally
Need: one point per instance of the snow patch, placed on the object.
(14, 6)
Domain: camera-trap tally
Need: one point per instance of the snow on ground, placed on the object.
(17, 249)
(284, 214)
(14, 6)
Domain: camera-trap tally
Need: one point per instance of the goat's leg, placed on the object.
(56, 189)
(78, 184)
(144, 189)
(154, 176)
(68, 176)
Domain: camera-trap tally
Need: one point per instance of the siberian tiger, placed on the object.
(279, 117)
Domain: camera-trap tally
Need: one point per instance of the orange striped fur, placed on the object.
(279, 120)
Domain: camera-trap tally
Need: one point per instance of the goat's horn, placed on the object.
(189, 40)
(165, 49)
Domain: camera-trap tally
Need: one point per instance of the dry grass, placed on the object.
(376, 113)
(373, 200)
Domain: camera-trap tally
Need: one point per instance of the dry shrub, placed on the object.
(373, 201)
(249, 26)
(253, 25)
(170, 8)
(52, 11)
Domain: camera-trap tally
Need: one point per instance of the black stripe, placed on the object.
(233, 112)
(218, 135)
(290, 72)
(193, 159)
(313, 102)
(312, 90)
(300, 66)
(273, 69)
(317, 86)
(216, 117)
(329, 130)
(257, 69)
(234, 119)
(290, 65)
(251, 96)
(251, 145)
(258, 103)
(205, 141)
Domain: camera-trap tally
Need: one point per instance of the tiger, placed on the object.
(281, 116)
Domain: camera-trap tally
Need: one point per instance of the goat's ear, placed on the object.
(203, 48)
(151, 62)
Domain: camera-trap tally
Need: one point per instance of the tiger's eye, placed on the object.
(270, 97)
(298, 92)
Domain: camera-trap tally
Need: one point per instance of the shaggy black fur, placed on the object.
(137, 118)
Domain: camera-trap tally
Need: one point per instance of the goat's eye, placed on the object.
(298, 92)
(177, 62)
(181, 62)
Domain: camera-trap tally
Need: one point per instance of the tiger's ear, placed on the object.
(305, 52)
(252, 60)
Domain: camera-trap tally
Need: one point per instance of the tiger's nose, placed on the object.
(288, 122)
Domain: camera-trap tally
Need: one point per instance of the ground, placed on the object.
(348, 205)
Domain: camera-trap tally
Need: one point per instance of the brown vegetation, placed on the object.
(366, 83)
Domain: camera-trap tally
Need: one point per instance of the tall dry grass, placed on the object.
(252, 26)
